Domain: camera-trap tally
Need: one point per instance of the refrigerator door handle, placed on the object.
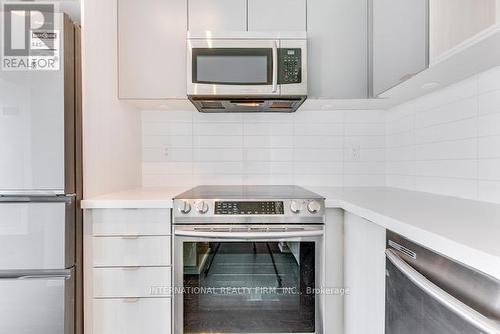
(36, 274)
(67, 276)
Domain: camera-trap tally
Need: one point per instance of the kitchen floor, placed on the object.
(258, 266)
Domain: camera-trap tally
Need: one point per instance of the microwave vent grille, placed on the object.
(212, 105)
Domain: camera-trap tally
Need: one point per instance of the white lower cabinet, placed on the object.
(132, 316)
(128, 273)
(364, 276)
(130, 281)
(132, 251)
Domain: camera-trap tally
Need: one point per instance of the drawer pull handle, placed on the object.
(131, 236)
(130, 300)
(131, 268)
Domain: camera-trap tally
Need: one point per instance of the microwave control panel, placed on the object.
(289, 66)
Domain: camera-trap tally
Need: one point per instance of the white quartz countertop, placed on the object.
(465, 230)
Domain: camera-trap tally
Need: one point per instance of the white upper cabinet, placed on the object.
(152, 49)
(217, 15)
(453, 21)
(337, 48)
(277, 15)
(400, 47)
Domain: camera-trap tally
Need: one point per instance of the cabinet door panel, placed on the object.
(364, 276)
(114, 222)
(400, 44)
(452, 22)
(132, 316)
(337, 48)
(131, 251)
(152, 49)
(217, 15)
(130, 281)
(277, 15)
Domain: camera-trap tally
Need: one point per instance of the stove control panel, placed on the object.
(249, 208)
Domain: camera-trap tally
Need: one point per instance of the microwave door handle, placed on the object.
(468, 314)
(275, 67)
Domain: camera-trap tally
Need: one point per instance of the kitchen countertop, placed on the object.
(465, 230)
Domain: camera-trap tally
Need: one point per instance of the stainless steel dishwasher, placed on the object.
(427, 293)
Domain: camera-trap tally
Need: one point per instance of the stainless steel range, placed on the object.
(247, 259)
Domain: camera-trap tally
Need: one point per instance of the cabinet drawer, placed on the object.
(131, 251)
(131, 221)
(131, 281)
(132, 316)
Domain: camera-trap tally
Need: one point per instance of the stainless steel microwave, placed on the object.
(247, 71)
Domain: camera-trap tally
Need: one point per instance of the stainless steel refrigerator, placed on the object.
(40, 186)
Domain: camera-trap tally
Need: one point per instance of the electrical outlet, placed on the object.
(355, 153)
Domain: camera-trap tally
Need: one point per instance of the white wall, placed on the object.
(448, 142)
(112, 140)
(309, 148)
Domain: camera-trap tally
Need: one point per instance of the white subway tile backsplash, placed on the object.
(489, 80)
(455, 139)
(177, 167)
(455, 111)
(489, 103)
(169, 128)
(366, 168)
(319, 141)
(489, 169)
(217, 154)
(466, 169)
(318, 154)
(457, 187)
(218, 167)
(268, 141)
(457, 149)
(305, 148)
(365, 141)
(315, 168)
(466, 128)
(167, 141)
(364, 129)
(268, 129)
(488, 125)
(268, 167)
(217, 129)
(319, 129)
(489, 147)
(489, 191)
(269, 154)
(218, 141)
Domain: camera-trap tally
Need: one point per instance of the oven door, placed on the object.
(248, 279)
(232, 67)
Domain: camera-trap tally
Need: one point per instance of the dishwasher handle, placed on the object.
(488, 326)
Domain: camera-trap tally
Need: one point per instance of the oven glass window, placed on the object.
(232, 66)
(249, 287)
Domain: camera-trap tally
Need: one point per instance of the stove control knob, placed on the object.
(295, 206)
(202, 207)
(184, 207)
(313, 207)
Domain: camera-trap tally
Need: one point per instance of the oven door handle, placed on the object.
(465, 312)
(249, 235)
